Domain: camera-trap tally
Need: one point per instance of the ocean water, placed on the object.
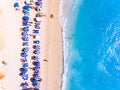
(91, 33)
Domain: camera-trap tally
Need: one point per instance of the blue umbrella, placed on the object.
(16, 4)
(36, 76)
(25, 18)
(24, 23)
(24, 33)
(25, 10)
(36, 70)
(25, 65)
(37, 86)
(36, 52)
(38, 3)
(36, 63)
(34, 81)
(24, 55)
(26, 7)
(25, 77)
(26, 29)
(24, 86)
(36, 41)
(36, 31)
(23, 70)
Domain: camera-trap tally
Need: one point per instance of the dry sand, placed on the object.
(2, 32)
(51, 31)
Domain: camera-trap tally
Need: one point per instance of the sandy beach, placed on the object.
(51, 46)
(54, 46)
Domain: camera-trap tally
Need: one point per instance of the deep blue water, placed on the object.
(93, 49)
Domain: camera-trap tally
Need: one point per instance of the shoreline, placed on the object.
(62, 59)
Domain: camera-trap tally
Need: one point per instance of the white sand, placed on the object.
(12, 22)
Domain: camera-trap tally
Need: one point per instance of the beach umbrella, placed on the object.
(38, 3)
(26, 29)
(37, 86)
(34, 81)
(25, 76)
(36, 70)
(23, 70)
(16, 4)
(36, 31)
(36, 52)
(36, 76)
(25, 18)
(24, 33)
(25, 65)
(24, 55)
(38, 19)
(24, 85)
(36, 41)
(24, 23)
(36, 63)
(25, 10)
(26, 7)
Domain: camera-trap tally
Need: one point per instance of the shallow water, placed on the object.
(92, 45)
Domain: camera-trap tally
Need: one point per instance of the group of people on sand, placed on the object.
(25, 33)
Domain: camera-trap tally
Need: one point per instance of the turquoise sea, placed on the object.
(91, 33)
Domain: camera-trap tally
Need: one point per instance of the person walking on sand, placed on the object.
(45, 60)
